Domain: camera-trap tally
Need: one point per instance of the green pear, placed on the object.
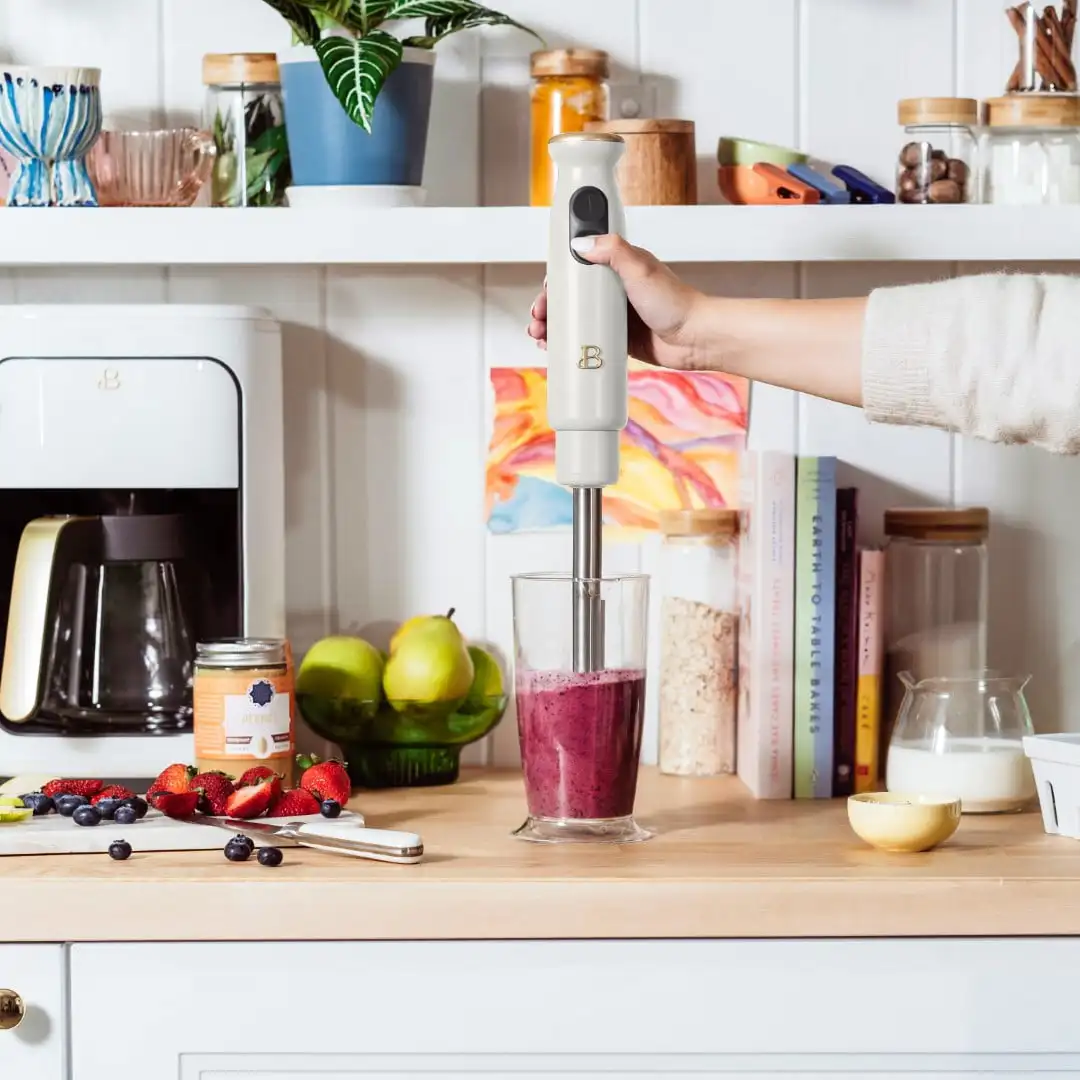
(487, 678)
(341, 667)
(428, 664)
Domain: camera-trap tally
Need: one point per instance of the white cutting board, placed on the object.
(56, 835)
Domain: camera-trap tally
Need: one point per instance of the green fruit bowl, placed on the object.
(413, 745)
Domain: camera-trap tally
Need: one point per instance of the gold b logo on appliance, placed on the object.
(592, 357)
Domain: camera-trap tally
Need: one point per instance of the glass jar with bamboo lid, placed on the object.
(1032, 150)
(570, 89)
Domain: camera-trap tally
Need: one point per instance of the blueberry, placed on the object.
(330, 808)
(138, 804)
(40, 804)
(125, 815)
(120, 849)
(66, 805)
(270, 856)
(87, 815)
(107, 807)
(240, 838)
(237, 852)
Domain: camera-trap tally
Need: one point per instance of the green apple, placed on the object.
(487, 678)
(341, 667)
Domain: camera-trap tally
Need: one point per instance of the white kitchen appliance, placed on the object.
(588, 391)
(141, 503)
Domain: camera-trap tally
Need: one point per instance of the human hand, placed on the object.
(661, 307)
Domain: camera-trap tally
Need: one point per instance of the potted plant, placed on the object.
(358, 96)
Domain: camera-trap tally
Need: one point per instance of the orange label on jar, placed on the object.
(243, 714)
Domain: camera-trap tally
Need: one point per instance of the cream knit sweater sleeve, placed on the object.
(997, 357)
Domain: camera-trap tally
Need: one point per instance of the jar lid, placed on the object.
(938, 110)
(1034, 110)
(589, 63)
(230, 69)
(922, 523)
(642, 127)
(240, 653)
(718, 522)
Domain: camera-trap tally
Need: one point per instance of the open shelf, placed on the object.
(449, 235)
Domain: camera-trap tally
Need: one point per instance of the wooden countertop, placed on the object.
(722, 866)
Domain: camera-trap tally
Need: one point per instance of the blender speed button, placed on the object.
(588, 216)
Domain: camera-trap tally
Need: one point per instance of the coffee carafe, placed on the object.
(98, 641)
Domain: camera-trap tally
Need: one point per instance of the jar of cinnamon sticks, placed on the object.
(1046, 37)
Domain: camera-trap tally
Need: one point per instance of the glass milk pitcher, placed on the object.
(962, 738)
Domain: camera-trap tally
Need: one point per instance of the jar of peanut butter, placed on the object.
(243, 705)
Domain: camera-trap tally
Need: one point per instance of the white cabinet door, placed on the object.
(35, 1050)
(576, 1010)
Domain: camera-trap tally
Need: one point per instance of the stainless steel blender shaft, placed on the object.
(587, 571)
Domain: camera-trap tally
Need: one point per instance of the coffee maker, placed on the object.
(141, 510)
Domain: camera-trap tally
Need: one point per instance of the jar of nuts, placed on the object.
(938, 163)
(698, 642)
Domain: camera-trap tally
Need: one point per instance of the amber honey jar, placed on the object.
(243, 706)
(570, 90)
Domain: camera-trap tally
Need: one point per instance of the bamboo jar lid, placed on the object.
(642, 127)
(233, 69)
(584, 63)
(1033, 110)
(929, 110)
(721, 523)
(969, 524)
(660, 164)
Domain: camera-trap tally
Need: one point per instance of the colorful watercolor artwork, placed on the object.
(679, 450)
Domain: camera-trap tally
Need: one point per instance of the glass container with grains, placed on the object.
(569, 90)
(937, 598)
(698, 641)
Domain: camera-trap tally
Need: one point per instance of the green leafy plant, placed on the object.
(359, 54)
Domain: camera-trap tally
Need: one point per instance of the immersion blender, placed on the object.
(587, 363)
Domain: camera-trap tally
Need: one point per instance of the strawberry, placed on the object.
(249, 802)
(215, 788)
(328, 780)
(71, 787)
(178, 804)
(295, 803)
(255, 775)
(113, 791)
(176, 778)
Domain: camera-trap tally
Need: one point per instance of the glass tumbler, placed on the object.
(151, 168)
(580, 732)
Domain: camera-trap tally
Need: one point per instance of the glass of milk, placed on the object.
(963, 738)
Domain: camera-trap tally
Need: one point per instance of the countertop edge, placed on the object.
(88, 911)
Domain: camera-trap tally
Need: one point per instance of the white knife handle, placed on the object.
(388, 845)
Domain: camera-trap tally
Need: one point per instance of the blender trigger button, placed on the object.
(588, 216)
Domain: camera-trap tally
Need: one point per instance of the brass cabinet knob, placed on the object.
(12, 1010)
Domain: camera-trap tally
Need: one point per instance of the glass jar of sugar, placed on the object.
(937, 598)
(698, 641)
(1032, 153)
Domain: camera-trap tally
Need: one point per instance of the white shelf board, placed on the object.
(441, 235)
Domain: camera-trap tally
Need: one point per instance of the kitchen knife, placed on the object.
(340, 837)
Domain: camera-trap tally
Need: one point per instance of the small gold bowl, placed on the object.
(894, 821)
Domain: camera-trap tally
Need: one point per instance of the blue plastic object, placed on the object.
(831, 194)
(327, 148)
(861, 187)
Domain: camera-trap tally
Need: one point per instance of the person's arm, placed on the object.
(996, 356)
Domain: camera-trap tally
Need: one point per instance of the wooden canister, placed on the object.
(660, 165)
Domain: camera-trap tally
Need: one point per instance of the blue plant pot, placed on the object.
(327, 149)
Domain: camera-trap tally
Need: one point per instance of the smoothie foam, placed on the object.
(580, 741)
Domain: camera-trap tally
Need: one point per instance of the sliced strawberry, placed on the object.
(113, 791)
(328, 780)
(249, 802)
(178, 805)
(215, 788)
(176, 778)
(255, 775)
(295, 803)
(71, 787)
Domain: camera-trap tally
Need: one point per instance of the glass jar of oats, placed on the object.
(698, 641)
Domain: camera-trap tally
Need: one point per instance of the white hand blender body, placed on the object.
(587, 363)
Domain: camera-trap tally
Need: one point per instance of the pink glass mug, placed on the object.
(151, 168)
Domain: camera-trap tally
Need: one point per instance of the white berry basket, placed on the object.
(1055, 761)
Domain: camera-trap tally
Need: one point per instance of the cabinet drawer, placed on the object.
(381, 1010)
(36, 1048)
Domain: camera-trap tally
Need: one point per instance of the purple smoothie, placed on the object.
(580, 741)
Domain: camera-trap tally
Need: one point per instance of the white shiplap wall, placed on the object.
(386, 369)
